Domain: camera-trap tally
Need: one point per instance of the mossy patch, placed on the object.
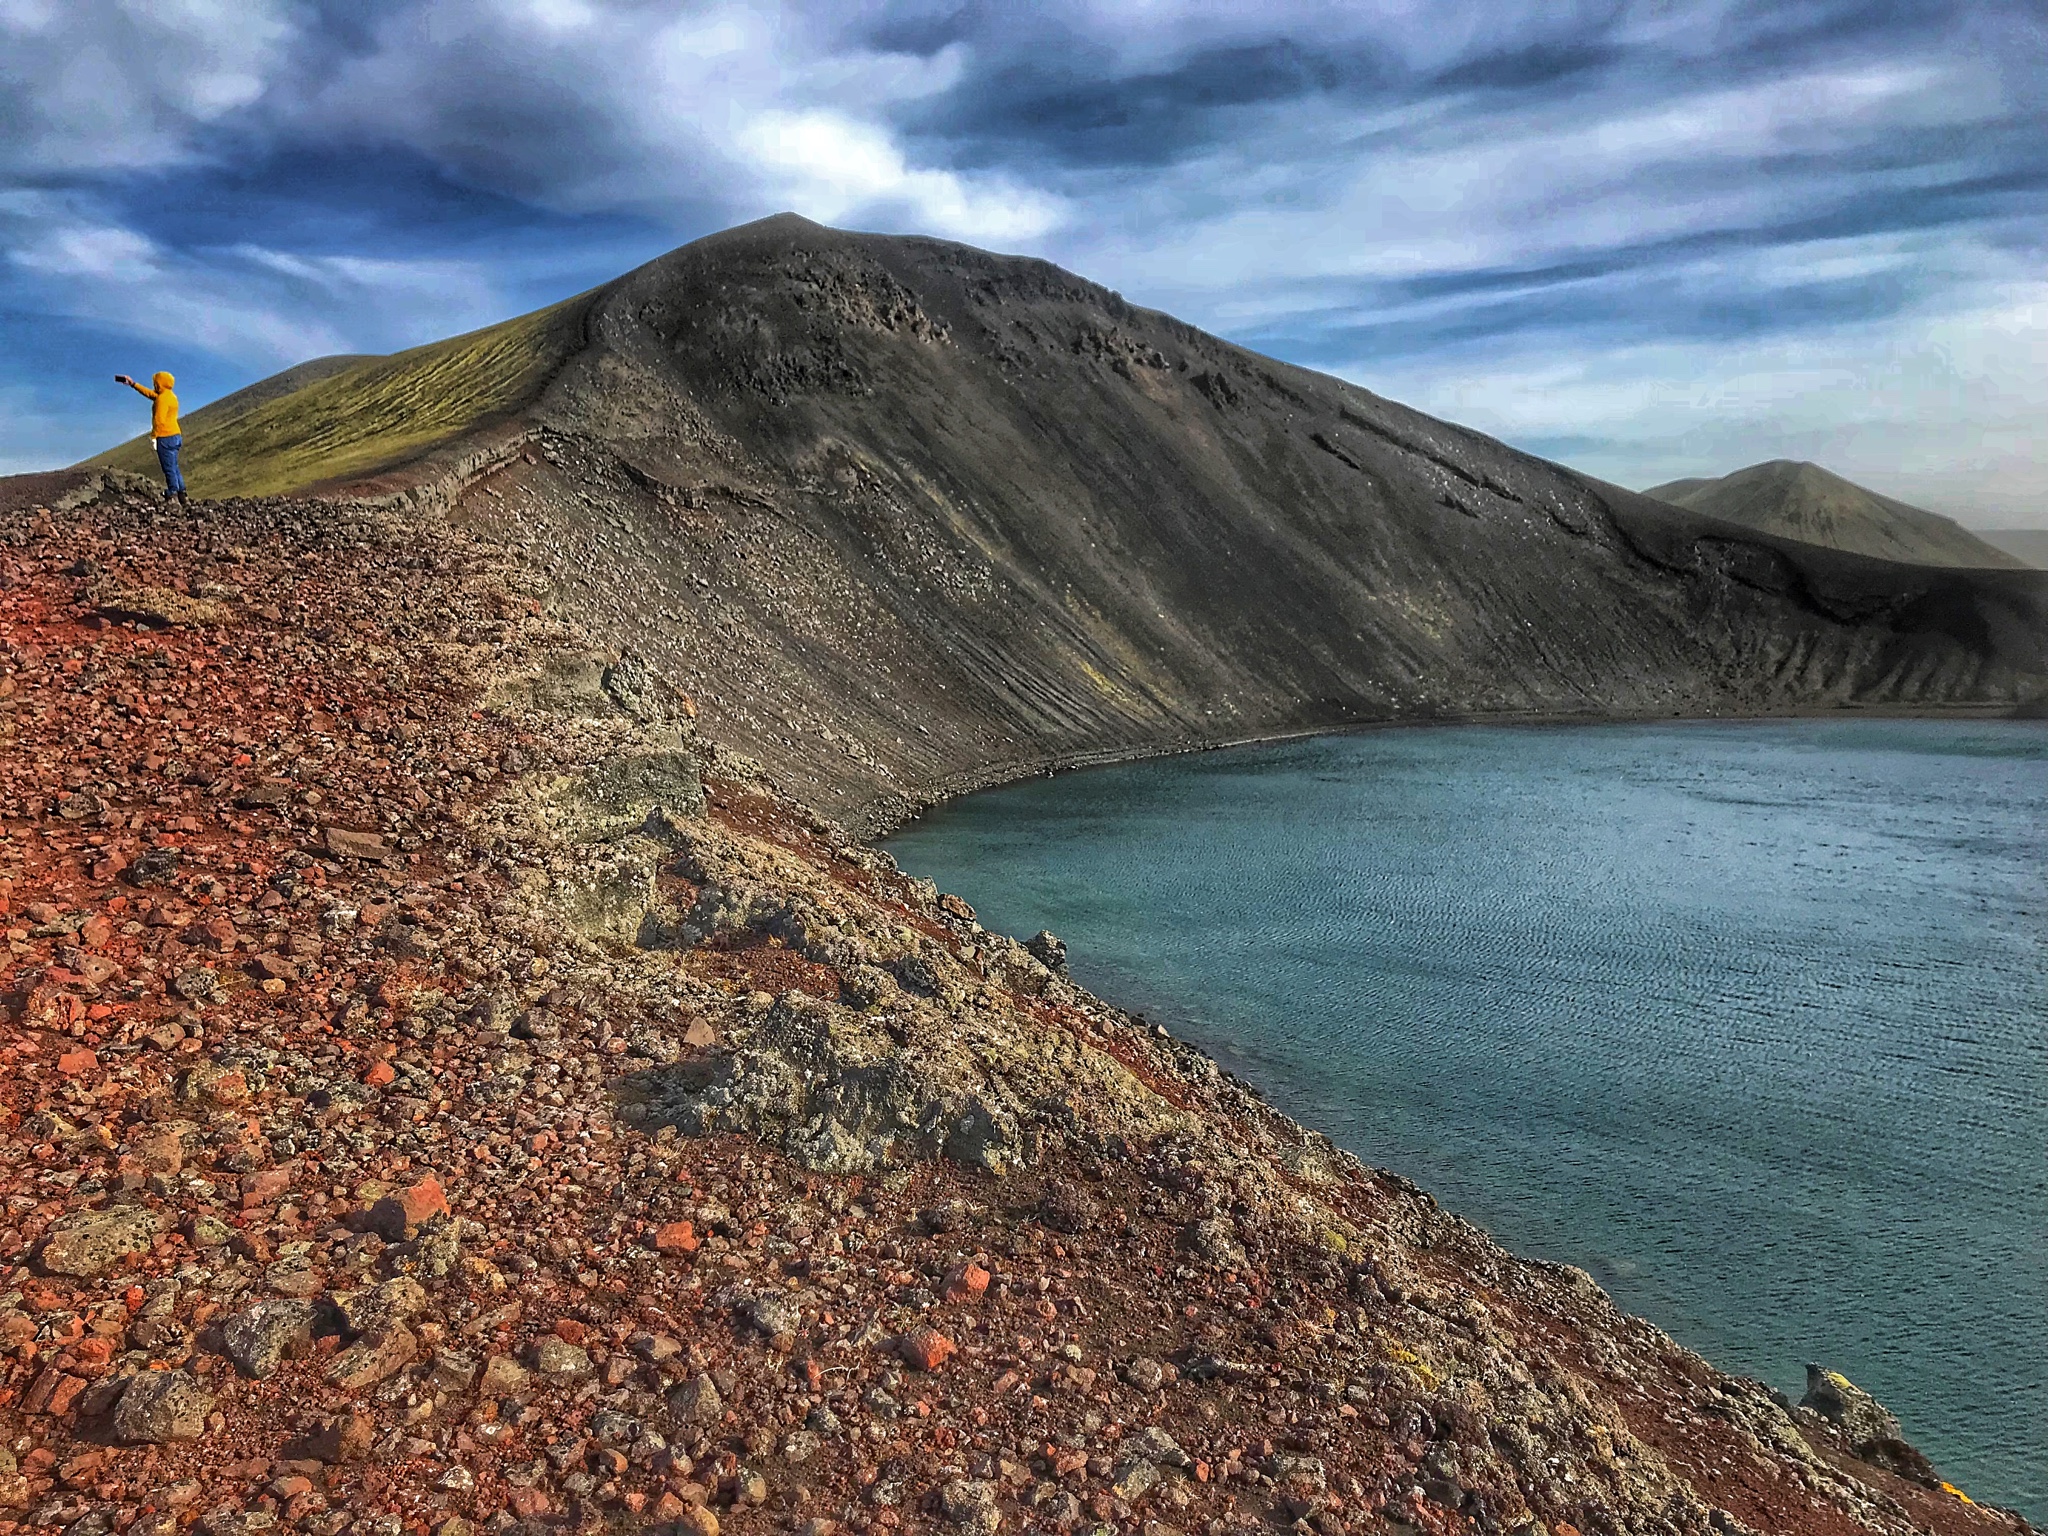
(373, 416)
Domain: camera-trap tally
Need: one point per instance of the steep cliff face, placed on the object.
(911, 515)
(906, 516)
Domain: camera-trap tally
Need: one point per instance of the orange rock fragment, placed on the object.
(677, 1237)
(381, 1075)
(89, 1356)
(54, 1392)
(527, 1503)
(160, 1153)
(398, 1218)
(72, 1063)
(968, 1282)
(927, 1349)
(261, 1188)
(227, 1087)
(668, 1507)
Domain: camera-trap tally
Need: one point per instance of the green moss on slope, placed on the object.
(370, 417)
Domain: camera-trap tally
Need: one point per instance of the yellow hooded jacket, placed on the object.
(163, 411)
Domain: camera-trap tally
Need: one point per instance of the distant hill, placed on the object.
(1796, 500)
(2028, 544)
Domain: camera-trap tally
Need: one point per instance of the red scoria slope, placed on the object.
(425, 1109)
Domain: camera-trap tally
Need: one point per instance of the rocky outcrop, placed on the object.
(1864, 1424)
(1851, 1409)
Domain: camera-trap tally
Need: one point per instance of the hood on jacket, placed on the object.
(163, 381)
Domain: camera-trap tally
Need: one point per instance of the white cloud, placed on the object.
(832, 168)
(1320, 193)
(748, 107)
(561, 15)
(1941, 407)
(108, 85)
(245, 303)
(577, 104)
(86, 250)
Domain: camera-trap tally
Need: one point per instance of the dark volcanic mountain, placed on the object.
(907, 516)
(1803, 501)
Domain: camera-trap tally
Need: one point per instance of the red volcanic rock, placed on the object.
(676, 1237)
(259, 1188)
(356, 845)
(967, 1282)
(714, 1099)
(341, 1438)
(54, 1393)
(400, 1216)
(927, 1348)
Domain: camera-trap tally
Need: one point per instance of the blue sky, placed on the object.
(1648, 239)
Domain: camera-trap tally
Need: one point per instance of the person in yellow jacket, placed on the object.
(163, 429)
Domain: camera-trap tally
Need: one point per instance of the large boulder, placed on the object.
(1858, 1415)
(160, 1406)
(1869, 1427)
(262, 1338)
(382, 1306)
(838, 1096)
(93, 1242)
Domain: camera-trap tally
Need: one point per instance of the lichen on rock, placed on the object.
(831, 1090)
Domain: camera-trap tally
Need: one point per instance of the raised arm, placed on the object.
(141, 389)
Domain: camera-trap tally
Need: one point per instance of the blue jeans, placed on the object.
(167, 456)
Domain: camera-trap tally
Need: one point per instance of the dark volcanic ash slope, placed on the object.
(912, 515)
(906, 516)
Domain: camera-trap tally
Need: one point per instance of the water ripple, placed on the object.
(1750, 1020)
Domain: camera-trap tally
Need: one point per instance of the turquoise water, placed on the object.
(1749, 1020)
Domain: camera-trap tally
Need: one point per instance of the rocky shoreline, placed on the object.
(444, 1092)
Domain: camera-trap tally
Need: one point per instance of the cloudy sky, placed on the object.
(1649, 239)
